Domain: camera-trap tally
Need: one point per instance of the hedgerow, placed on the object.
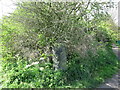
(36, 26)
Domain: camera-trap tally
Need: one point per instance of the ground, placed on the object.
(114, 81)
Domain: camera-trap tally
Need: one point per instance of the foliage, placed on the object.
(82, 27)
(90, 72)
(66, 23)
(80, 73)
(39, 75)
(76, 25)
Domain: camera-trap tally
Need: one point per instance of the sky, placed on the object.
(7, 6)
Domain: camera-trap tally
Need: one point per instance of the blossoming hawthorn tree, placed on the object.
(79, 26)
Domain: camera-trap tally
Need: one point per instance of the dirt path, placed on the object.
(111, 83)
(117, 52)
(114, 81)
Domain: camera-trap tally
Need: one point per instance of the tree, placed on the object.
(32, 32)
(75, 25)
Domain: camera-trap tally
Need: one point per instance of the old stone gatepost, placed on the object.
(59, 57)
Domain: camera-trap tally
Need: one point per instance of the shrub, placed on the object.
(34, 26)
(17, 75)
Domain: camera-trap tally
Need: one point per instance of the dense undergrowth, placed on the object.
(81, 73)
(90, 59)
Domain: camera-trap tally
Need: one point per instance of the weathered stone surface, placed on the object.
(59, 57)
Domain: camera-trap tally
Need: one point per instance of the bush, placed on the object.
(36, 26)
(17, 75)
(90, 72)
